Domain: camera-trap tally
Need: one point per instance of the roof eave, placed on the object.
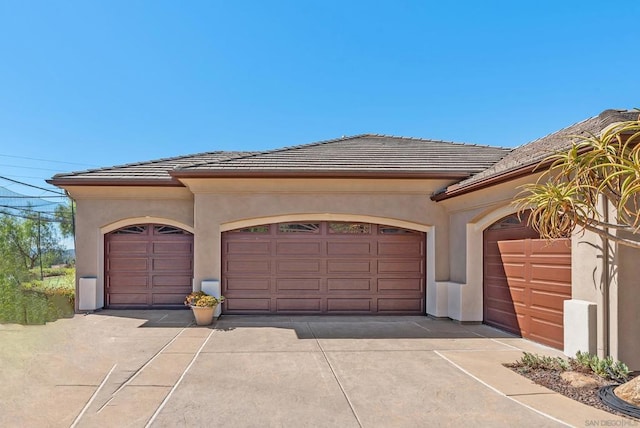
(493, 180)
(182, 174)
(144, 182)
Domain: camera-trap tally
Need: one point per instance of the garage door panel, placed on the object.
(248, 247)
(171, 264)
(400, 266)
(128, 264)
(298, 248)
(248, 266)
(543, 331)
(128, 299)
(401, 249)
(124, 280)
(511, 247)
(399, 305)
(349, 305)
(345, 248)
(171, 247)
(171, 280)
(505, 294)
(349, 285)
(400, 284)
(332, 267)
(558, 247)
(261, 305)
(127, 247)
(548, 272)
(527, 298)
(349, 266)
(298, 305)
(242, 284)
(514, 270)
(298, 266)
(298, 284)
(548, 301)
(148, 265)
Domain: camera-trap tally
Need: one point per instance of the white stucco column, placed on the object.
(580, 327)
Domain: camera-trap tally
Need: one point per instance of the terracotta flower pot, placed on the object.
(203, 314)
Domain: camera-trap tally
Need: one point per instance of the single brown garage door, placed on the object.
(148, 265)
(526, 281)
(323, 268)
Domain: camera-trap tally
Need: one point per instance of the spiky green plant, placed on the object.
(568, 195)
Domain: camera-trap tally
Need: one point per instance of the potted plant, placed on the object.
(203, 306)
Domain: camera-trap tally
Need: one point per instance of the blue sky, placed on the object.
(99, 83)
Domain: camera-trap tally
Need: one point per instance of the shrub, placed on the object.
(33, 303)
(584, 362)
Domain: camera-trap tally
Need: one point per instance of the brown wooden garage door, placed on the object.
(323, 268)
(526, 281)
(148, 265)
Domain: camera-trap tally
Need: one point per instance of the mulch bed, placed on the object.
(551, 379)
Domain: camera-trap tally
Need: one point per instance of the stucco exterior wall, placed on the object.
(207, 207)
(628, 302)
(225, 204)
(101, 210)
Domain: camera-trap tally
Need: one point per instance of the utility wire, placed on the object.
(48, 160)
(28, 167)
(31, 185)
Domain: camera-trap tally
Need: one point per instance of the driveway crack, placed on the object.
(335, 376)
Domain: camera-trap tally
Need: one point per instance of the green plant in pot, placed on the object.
(203, 306)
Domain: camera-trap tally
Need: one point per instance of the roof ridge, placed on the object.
(431, 140)
(603, 114)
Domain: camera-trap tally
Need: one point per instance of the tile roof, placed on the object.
(363, 153)
(531, 154)
(153, 170)
(368, 154)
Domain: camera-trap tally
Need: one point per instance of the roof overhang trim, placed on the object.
(180, 174)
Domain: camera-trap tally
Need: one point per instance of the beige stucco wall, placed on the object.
(225, 204)
(207, 207)
(103, 209)
(628, 304)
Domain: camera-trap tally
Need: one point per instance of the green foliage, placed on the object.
(64, 214)
(584, 362)
(24, 242)
(544, 362)
(604, 367)
(568, 195)
(201, 299)
(35, 302)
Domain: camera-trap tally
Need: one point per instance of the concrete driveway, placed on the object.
(153, 368)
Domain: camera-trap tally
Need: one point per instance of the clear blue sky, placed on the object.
(99, 83)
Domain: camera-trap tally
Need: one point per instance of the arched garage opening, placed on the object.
(323, 267)
(148, 266)
(525, 281)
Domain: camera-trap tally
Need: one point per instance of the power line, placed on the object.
(29, 167)
(31, 185)
(48, 160)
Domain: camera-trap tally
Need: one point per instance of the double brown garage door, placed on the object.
(526, 281)
(323, 268)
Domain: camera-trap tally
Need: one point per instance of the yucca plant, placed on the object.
(568, 195)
